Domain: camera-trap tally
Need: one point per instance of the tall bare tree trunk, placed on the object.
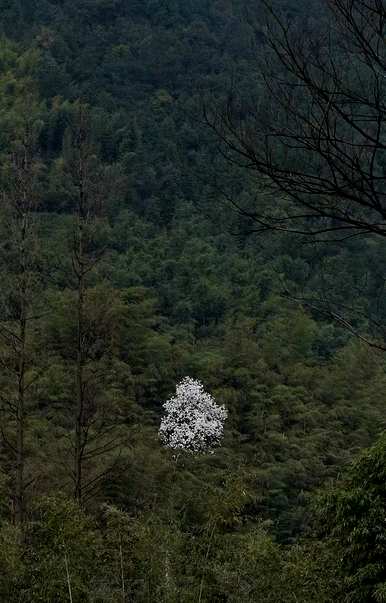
(21, 419)
(92, 434)
(20, 191)
(79, 264)
(24, 301)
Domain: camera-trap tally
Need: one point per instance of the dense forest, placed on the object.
(145, 238)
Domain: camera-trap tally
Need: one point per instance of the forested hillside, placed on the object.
(130, 258)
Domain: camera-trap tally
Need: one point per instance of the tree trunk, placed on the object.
(79, 424)
(20, 409)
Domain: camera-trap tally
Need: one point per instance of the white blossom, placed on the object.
(192, 421)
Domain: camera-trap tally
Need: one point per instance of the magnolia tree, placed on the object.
(193, 421)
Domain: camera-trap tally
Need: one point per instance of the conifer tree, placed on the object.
(93, 416)
(20, 178)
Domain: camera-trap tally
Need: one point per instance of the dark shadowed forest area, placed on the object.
(193, 212)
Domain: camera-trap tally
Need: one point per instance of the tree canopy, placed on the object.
(129, 261)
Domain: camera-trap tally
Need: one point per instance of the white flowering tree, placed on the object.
(192, 421)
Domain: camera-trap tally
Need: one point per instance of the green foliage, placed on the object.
(352, 515)
(176, 287)
(63, 553)
(20, 105)
(11, 563)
